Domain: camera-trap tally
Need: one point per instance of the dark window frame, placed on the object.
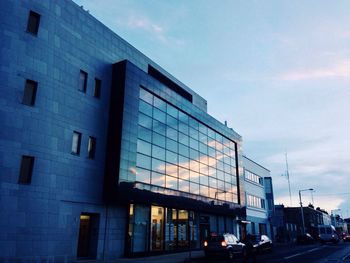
(92, 147)
(26, 170)
(83, 79)
(97, 88)
(33, 22)
(29, 93)
(78, 146)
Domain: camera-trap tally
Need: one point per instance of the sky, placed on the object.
(277, 71)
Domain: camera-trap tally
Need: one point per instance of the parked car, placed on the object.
(305, 239)
(226, 245)
(327, 233)
(346, 238)
(262, 243)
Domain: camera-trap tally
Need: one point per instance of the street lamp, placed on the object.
(301, 208)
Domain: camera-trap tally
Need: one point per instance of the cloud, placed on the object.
(336, 71)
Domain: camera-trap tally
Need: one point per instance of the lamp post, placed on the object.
(301, 208)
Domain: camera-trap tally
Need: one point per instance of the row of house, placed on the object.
(289, 225)
(104, 154)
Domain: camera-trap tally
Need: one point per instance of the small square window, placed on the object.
(76, 140)
(83, 81)
(97, 89)
(29, 92)
(91, 147)
(33, 23)
(25, 176)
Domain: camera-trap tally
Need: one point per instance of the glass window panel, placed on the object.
(144, 134)
(145, 108)
(171, 169)
(203, 148)
(204, 180)
(184, 139)
(194, 177)
(193, 133)
(145, 121)
(158, 165)
(183, 128)
(159, 115)
(211, 171)
(228, 178)
(143, 161)
(171, 182)
(213, 182)
(172, 111)
(220, 175)
(171, 145)
(158, 139)
(160, 104)
(184, 173)
(194, 155)
(219, 165)
(204, 169)
(159, 127)
(194, 123)
(203, 138)
(211, 152)
(146, 96)
(194, 166)
(212, 162)
(171, 133)
(212, 192)
(203, 159)
(184, 150)
(144, 147)
(183, 117)
(233, 171)
(226, 159)
(184, 185)
(158, 179)
(221, 185)
(194, 144)
(171, 157)
(204, 190)
(172, 122)
(203, 129)
(218, 137)
(143, 175)
(158, 152)
(219, 146)
(211, 133)
(227, 168)
(194, 188)
(184, 162)
(226, 150)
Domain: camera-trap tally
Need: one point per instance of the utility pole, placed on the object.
(287, 175)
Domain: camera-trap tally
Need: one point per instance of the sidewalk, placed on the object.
(168, 258)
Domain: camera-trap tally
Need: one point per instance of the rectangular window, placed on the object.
(33, 23)
(83, 80)
(29, 92)
(76, 140)
(97, 89)
(25, 176)
(91, 147)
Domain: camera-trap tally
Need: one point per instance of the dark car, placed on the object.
(226, 245)
(346, 238)
(305, 239)
(262, 243)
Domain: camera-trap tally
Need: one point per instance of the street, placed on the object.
(293, 253)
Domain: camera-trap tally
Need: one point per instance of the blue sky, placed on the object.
(277, 71)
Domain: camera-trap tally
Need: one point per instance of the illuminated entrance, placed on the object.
(157, 228)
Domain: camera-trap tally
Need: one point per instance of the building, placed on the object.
(102, 152)
(290, 224)
(259, 196)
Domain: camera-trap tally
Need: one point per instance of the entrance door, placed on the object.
(88, 233)
(204, 231)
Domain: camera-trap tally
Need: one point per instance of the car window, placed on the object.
(216, 238)
(230, 239)
(235, 239)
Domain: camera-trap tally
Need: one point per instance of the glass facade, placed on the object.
(178, 152)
